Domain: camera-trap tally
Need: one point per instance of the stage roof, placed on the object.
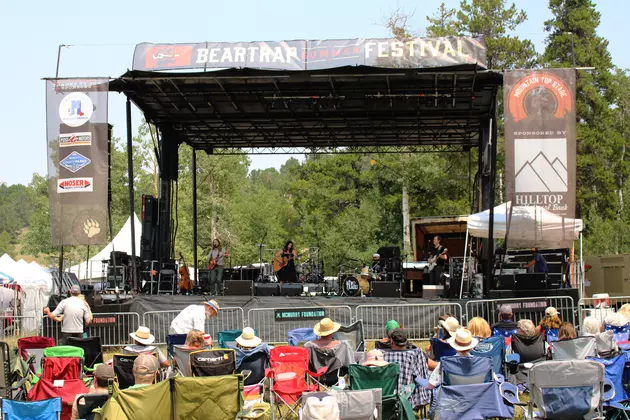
(343, 109)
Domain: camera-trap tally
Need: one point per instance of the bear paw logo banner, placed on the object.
(540, 139)
(77, 143)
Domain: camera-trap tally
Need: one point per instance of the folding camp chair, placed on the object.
(88, 404)
(40, 410)
(353, 334)
(34, 346)
(215, 397)
(62, 363)
(92, 349)
(505, 330)
(289, 377)
(336, 360)
(494, 348)
(354, 405)
(551, 335)
(181, 358)
(530, 349)
(567, 389)
(174, 340)
(458, 370)
(123, 369)
(616, 372)
(213, 362)
(621, 333)
(66, 389)
(252, 362)
(299, 336)
(381, 345)
(386, 379)
(578, 348)
(472, 401)
(441, 349)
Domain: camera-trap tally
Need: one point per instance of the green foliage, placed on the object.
(5, 243)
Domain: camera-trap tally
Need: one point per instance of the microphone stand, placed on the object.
(261, 276)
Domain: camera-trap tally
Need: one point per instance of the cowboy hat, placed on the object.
(375, 358)
(213, 304)
(450, 324)
(248, 338)
(365, 272)
(463, 340)
(143, 336)
(326, 327)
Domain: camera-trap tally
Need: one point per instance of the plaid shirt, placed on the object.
(413, 364)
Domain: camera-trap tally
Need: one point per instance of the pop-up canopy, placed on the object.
(529, 226)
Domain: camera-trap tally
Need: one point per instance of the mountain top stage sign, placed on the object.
(301, 55)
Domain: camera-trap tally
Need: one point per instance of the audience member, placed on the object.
(327, 352)
(193, 317)
(375, 358)
(145, 370)
(76, 315)
(389, 327)
(625, 311)
(325, 331)
(551, 320)
(591, 326)
(566, 332)
(448, 327)
(479, 327)
(195, 340)
(506, 325)
(103, 374)
(525, 327)
(616, 319)
(142, 345)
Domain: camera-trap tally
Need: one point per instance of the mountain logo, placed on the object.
(540, 165)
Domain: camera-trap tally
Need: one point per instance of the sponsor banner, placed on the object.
(77, 143)
(313, 55)
(298, 314)
(540, 148)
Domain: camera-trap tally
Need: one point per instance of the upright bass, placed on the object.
(185, 285)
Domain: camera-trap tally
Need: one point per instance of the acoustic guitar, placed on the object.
(279, 262)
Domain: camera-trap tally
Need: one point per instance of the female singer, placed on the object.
(287, 273)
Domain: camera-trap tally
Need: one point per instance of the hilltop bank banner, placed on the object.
(77, 143)
(540, 139)
(300, 55)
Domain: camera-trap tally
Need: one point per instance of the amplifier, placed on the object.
(432, 291)
(291, 289)
(386, 289)
(237, 288)
(506, 281)
(267, 289)
(530, 281)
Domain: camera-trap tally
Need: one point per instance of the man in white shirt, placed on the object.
(194, 317)
(75, 315)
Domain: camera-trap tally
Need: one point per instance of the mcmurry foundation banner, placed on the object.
(540, 139)
(301, 55)
(77, 142)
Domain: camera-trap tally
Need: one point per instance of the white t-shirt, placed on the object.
(140, 349)
(75, 314)
(193, 317)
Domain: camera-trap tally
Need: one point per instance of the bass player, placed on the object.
(284, 264)
(215, 265)
(440, 258)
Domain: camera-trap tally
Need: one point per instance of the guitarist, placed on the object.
(440, 252)
(287, 256)
(215, 265)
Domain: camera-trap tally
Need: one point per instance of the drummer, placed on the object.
(377, 264)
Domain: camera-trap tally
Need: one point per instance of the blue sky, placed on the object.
(104, 35)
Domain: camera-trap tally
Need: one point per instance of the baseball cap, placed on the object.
(505, 309)
(399, 337)
(145, 364)
(551, 311)
(391, 325)
(104, 371)
(75, 289)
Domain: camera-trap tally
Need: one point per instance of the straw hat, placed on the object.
(248, 338)
(214, 305)
(463, 340)
(326, 327)
(365, 272)
(375, 358)
(450, 324)
(143, 336)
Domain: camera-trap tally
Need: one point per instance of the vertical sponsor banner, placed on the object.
(540, 144)
(77, 143)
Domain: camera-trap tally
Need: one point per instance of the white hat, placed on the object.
(375, 358)
(450, 324)
(248, 338)
(463, 340)
(551, 311)
(143, 336)
(376, 255)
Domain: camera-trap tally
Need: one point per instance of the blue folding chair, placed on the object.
(621, 333)
(174, 340)
(40, 410)
(494, 348)
(614, 370)
(552, 335)
(459, 370)
(300, 335)
(441, 349)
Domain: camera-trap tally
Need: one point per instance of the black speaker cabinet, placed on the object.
(386, 289)
(291, 289)
(267, 289)
(506, 282)
(237, 288)
(530, 281)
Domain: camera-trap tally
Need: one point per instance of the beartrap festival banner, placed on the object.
(77, 142)
(540, 144)
(301, 55)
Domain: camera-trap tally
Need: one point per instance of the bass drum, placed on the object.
(352, 286)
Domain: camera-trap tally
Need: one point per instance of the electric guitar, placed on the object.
(214, 261)
(433, 260)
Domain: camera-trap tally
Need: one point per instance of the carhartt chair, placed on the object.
(40, 410)
(567, 389)
(353, 334)
(213, 362)
(578, 348)
(123, 369)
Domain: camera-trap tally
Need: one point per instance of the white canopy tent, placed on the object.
(93, 268)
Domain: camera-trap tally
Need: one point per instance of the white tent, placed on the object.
(529, 226)
(93, 268)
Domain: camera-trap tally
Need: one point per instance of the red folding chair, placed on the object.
(289, 377)
(62, 368)
(67, 390)
(34, 346)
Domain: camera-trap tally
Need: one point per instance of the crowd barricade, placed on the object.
(14, 327)
(159, 322)
(522, 308)
(418, 320)
(113, 328)
(599, 308)
(273, 324)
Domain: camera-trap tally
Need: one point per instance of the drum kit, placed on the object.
(352, 284)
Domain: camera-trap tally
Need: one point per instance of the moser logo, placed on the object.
(75, 109)
(75, 139)
(74, 162)
(68, 185)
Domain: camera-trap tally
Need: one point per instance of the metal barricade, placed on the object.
(532, 308)
(273, 328)
(113, 328)
(419, 320)
(593, 307)
(159, 322)
(14, 327)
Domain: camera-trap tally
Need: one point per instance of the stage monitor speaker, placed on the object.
(530, 281)
(453, 289)
(290, 289)
(432, 291)
(506, 282)
(386, 289)
(237, 288)
(267, 289)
